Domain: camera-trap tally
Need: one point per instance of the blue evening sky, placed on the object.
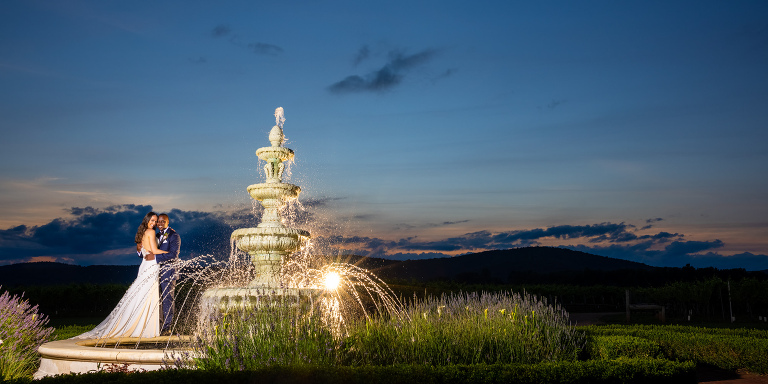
(631, 129)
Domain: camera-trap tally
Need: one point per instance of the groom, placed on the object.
(170, 241)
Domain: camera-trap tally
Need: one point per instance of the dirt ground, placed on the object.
(704, 374)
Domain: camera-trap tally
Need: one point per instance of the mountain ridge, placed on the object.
(492, 266)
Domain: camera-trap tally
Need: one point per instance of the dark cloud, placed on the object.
(265, 49)
(391, 74)
(407, 226)
(106, 235)
(661, 237)
(677, 254)
(221, 30)
(445, 74)
(92, 230)
(319, 202)
(650, 222)
(617, 240)
(259, 48)
(362, 54)
(689, 247)
(554, 104)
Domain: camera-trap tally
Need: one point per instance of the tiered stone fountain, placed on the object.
(268, 245)
(271, 242)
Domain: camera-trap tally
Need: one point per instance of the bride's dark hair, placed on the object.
(143, 227)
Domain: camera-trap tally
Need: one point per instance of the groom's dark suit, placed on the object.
(170, 242)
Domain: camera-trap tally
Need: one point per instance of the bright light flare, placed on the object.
(332, 281)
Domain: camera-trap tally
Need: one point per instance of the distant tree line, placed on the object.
(653, 277)
(703, 295)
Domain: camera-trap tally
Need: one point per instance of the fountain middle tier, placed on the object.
(270, 240)
(278, 191)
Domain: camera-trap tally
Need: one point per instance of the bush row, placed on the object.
(724, 348)
(704, 299)
(572, 372)
(709, 298)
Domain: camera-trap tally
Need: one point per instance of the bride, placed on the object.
(138, 312)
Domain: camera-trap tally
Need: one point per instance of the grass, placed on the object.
(464, 329)
(69, 331)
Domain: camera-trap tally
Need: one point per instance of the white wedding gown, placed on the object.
(138, 312)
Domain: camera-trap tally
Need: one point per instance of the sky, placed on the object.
(633, 129)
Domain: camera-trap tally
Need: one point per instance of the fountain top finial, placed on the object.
(276, 136)
(279, 116)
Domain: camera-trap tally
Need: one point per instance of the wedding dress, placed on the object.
(138, 312)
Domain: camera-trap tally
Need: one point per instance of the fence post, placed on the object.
(626, 293)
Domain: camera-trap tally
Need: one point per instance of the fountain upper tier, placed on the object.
(271, 240)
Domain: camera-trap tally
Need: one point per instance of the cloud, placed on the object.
(221, 30)
(445, 74)
(386, 77)
(199, 60)
(689, 247)
(554, 104)
(259, 48)
(362, 54)
(678, 254)
(91, 235)
(617, 240)
(265, 49)
(649, 223)
(407, 226)
(106, 236)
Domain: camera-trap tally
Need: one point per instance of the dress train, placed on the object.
(138, 312)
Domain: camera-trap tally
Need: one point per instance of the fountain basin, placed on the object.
(279, 191)
(227, 299)
(274, 153)
(270, 240)
(82, 356)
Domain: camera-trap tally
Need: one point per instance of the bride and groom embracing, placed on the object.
(138, 314)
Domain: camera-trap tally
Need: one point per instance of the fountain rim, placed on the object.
(85, 350)
(270, 231)
(274, 185)
(281, 153)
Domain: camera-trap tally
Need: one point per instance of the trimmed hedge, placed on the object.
(724, 348)
(623, 370)
(612, 347)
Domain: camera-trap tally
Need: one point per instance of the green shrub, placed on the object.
(613, 347)
(566, 372)
(724, 348)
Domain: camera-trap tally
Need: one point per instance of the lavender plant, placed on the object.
(22, 331)
(281, 334)
(468, 328)
(463, 328)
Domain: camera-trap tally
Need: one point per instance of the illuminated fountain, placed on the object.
(271, 243)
